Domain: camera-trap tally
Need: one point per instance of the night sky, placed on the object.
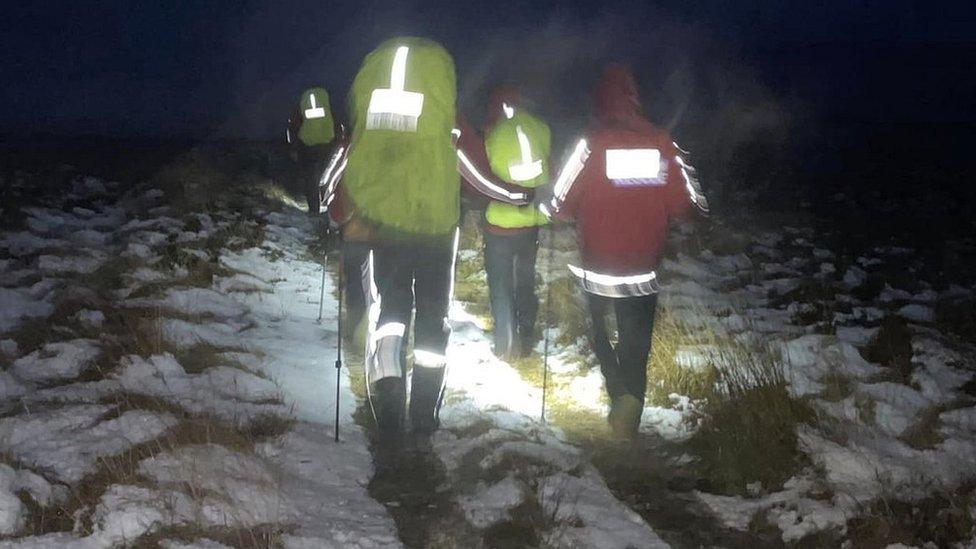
(233, 69)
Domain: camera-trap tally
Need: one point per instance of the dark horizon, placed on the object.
(119, 70)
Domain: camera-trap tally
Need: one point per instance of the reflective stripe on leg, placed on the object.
(428, 359)
(384, 346)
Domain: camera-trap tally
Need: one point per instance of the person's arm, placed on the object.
(566, 191)
(333, 172)
(481, 180)
(684, 189)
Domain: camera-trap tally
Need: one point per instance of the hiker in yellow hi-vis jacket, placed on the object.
(312, 133)
(518, 146)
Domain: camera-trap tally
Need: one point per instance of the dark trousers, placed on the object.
(624, 367)
(510, 265)
(354, 257)
(310, 164)
(416, 275)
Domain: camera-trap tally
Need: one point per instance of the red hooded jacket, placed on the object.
(622, 184)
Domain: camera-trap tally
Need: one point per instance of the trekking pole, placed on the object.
(545, 334)
(338, 362)
(325, 259)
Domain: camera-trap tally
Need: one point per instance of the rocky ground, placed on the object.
(167, 381)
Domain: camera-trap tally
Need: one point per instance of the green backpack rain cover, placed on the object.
(317, 126)
(402, 168)
(518, 151)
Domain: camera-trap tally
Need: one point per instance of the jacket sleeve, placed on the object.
(333, 171)
(683, 188)
(294, 125)
(473, 167)
(568, 190)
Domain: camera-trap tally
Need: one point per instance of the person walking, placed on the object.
(400, 175)
(518, 147)
(312, 133)
(622, 184)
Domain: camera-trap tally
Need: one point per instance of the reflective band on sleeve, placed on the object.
(484, 183)
(633, 165)
(428, 359)
(395, 108)
(691, 185)
(315, 111)
(574, 165)
(528, 169)
(617, 286)
(333, 162)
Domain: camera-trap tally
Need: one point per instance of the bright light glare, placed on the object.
(625, 164)
(315, 111)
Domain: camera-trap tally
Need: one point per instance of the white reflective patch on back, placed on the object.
(528, 168)
(634, 166)
(394, 108)
(525, 172)
(314, 111)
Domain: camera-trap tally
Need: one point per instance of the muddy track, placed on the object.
(410, 482)
(663, 494)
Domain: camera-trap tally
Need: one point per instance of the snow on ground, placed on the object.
(270, 359)
(491, 415)
(860, 445)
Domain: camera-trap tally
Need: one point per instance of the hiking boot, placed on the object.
(387, 396)
(425, 398)
(624, 417)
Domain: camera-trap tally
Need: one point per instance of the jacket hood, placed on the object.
(500, 96)
(616, 102)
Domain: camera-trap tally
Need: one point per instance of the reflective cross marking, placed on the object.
(394, 108)
(528, 169)
(315, 111)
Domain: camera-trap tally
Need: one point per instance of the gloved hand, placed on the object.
(543, 199)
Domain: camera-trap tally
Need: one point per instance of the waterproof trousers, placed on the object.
(510, 266)
(408, 276)
(624, 366)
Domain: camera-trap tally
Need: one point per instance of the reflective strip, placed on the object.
(574, 165)
(398, 74)
(382, 355)
(335, 180)
(454, 253)
(327, 174)
(617, 286)
(691, 185)
(485, 183)
(428, 359)
(508, 110)
(389, 329)
(315, 111)
(528, 169)
(632, 164)
(395, 108)
(288, 136)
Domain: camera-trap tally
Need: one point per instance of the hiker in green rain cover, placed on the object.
(312, 133)
(399, 177)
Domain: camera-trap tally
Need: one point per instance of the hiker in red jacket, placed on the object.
(622, 184)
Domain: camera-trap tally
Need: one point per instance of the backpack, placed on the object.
(317, 125)
(518, 151)
(401, 172)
